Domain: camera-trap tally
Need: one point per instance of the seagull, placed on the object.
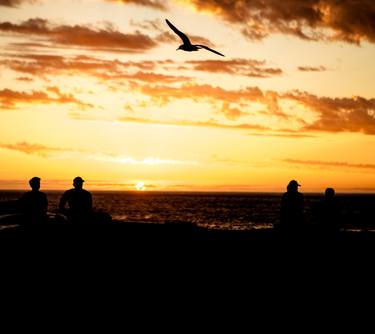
(187, 46)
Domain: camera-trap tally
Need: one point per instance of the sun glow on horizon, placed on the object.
(140, 186)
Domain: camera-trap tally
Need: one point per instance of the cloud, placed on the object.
(287, 134)
(32, 149)
(46, 151)
(44, 64)
(231, 113)
(164, 33)
(312, 68)
(156, 4)
(326, 114)
(165, 94)
(25, 79)
(15, 3)
(206, 124)
(104, 38)
(349, 21)
(355, 114)
(279, 111)
(330, 164)
(245, 67)
(9, 99)
(149, 77)
(51, 65)
(149, 161)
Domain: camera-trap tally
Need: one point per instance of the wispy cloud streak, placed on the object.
(338, 164)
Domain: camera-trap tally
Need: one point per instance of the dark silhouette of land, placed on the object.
(187, 46)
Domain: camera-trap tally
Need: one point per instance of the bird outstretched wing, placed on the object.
(184, 38)
(207, 48)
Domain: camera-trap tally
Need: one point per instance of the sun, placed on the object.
(140, 186)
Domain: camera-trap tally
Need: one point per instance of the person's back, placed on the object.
(329, 212)
(292, 207)
(34, 203)
(79, 201)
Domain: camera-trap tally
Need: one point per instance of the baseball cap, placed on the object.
(78, 179)
(294, 183)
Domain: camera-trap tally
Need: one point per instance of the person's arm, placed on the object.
(63, 201)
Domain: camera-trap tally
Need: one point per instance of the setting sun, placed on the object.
(140, 186)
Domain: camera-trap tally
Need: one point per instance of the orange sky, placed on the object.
(96, 88)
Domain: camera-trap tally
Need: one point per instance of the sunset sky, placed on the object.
(96, 88)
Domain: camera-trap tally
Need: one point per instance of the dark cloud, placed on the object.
(105, 38)
(25, 79)
(156, 4)
(15, 3)
(164, 33)
(330, 164)
(10, 99)
(312, 68)
(355, 114)
(347, 20)
(245, 67)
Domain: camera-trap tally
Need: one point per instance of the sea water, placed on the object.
(235, 211)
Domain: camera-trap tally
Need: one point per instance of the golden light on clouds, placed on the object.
(107, 94)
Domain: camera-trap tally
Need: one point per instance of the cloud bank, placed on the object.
(352, 21)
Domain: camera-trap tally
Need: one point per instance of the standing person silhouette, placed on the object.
(292, 208)
(34, 203)
(79, 202)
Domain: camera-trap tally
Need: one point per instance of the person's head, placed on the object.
(78, 182)
(293, 186)
(34, 183)
(330, 193)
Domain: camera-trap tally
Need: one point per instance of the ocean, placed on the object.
(233, 211)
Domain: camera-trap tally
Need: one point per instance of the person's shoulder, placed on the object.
(68, 192)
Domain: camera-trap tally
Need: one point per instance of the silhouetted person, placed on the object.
(79, 202)
(329, 212)
(34, 203)
(292, 207)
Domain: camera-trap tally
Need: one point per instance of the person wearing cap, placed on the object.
(79, 202)
(292, 207)
(34, 203)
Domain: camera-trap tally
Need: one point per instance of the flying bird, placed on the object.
(187, 46)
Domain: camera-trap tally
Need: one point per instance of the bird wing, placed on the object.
(207, 48)
(184, 38)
